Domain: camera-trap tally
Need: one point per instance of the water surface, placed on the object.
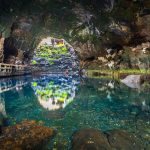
(69, 104)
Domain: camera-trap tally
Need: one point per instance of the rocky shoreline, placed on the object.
(92, 139)
(28, 135)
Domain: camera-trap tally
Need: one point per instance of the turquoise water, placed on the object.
(69, 104)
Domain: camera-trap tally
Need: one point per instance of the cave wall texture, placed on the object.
(104, 33)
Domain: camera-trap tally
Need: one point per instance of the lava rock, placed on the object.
(143, 24)
(90, 139)
(122, 140)
(26, 135)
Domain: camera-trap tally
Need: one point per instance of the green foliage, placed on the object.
(34, 84)
(33, 62)
(50, 54)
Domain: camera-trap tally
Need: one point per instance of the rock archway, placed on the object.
(24, 45)
(55, 55)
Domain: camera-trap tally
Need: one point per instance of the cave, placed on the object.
(74, 74)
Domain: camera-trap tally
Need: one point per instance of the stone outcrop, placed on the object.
(20, 41)
(88, 139)
(1, 49)
(119, 139)
(143, 24)
(119, 26)
(92, 139)
(26, 135)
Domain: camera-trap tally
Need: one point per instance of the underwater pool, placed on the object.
(69, 104)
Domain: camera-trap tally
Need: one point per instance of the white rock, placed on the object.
(132, 81)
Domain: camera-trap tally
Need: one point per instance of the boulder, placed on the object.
(120, 139)
(143, 24)
(26, 135)
(90, 139)
(93, 139)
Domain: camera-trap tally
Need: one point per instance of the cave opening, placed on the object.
(55, 55)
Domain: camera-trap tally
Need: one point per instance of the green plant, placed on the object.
(33, 62)
(50, 54)
(34, 84)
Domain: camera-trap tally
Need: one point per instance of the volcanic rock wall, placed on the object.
(105, 34)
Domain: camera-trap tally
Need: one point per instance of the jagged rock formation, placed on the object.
(109, 29)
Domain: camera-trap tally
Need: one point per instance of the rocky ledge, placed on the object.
(26, 135)
(93, 139)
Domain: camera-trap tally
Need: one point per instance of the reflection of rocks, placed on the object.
(137, 81)
(26, 135)
(114, 91)
(132, 81)
(2, 108)
(92, 139)
(3, 114)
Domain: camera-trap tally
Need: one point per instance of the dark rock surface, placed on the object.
(119, 139)
(91, 27)
(92, 139)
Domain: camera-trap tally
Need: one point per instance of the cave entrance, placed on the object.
(55, 55)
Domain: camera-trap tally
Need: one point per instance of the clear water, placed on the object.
(68, 104)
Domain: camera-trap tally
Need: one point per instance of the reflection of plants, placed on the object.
(62, 96)
(34, 84)
(54, 94)
(52, 91)
(44, 93)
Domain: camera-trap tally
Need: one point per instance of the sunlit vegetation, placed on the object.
(49, 54)
(51, 91)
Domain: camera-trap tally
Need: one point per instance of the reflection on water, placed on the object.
(54, 93)
(69, 104)
(11, 84)
(2, 110)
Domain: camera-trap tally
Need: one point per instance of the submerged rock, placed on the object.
(26, 135)
(93, 139)
(90, 139)
(119, 139)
